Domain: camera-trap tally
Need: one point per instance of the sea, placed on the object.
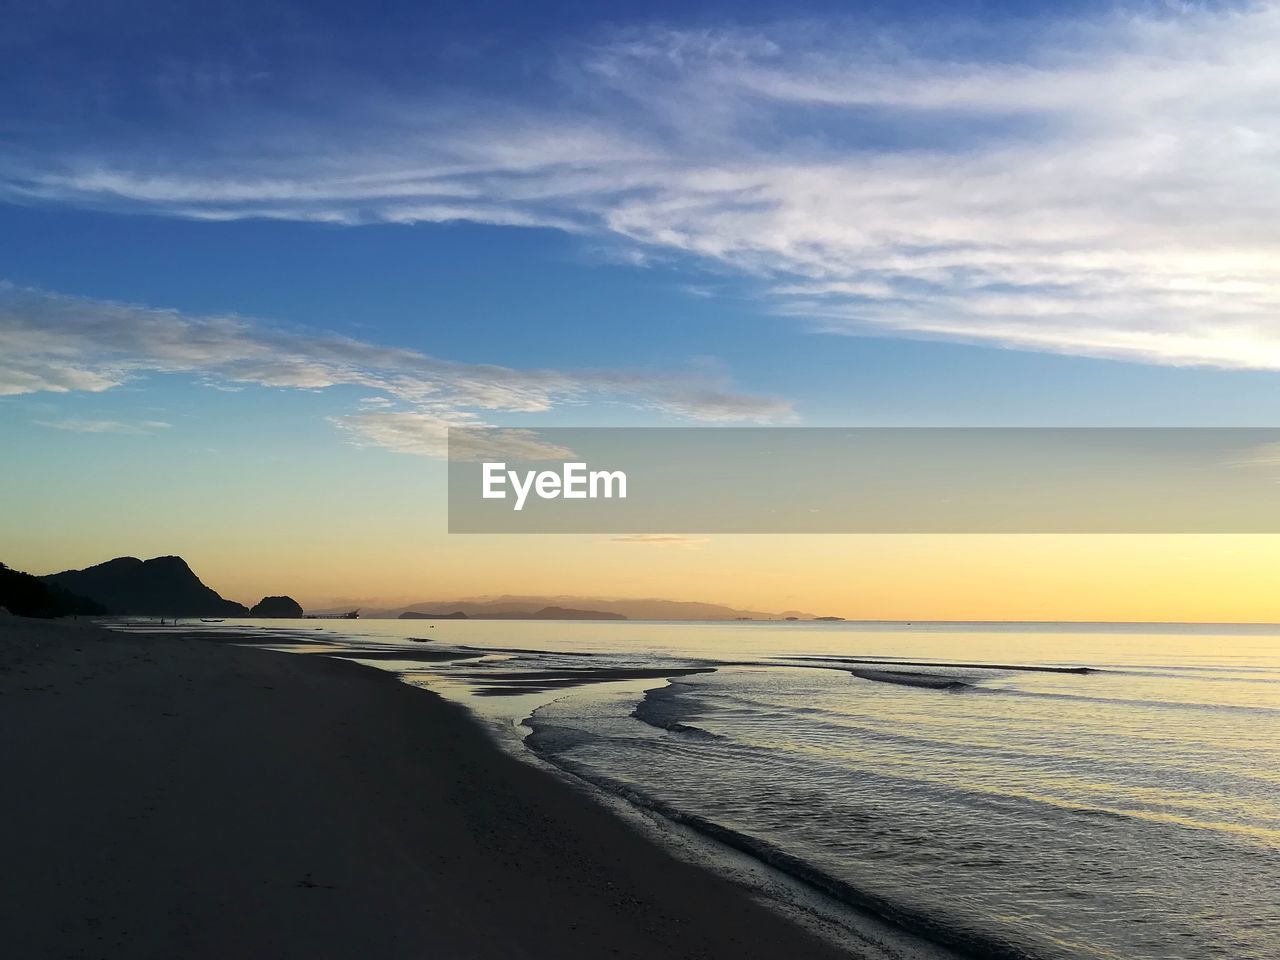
(997, 790)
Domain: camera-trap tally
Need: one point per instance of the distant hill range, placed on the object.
(573, 608)
(160, 587)
(545, 613)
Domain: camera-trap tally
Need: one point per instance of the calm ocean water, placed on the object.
(1124, 805)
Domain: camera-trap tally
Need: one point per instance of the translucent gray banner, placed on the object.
(864, 480)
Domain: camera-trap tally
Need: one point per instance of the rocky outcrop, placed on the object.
(277, 607)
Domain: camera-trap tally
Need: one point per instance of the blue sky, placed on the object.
(535, 297)
(291, 229)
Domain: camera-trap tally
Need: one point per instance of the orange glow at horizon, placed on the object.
(941, 577)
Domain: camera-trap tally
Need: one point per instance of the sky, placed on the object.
(256, 258)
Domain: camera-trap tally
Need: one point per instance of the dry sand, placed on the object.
(185, 798)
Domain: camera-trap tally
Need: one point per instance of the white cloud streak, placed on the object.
(659, 540)
(1111, 190)
(59, 344)
(105, 426)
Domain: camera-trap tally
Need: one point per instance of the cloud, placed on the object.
(54, 343)
(1260, 455)
(105, 426)
(1103, 188)
(428, 434)
(404, 431)
(1260, 458)
(658, 540)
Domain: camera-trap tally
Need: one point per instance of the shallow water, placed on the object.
(1131, 811)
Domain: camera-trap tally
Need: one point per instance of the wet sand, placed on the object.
(179, 797)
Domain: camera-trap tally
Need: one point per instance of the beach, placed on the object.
(179, 797)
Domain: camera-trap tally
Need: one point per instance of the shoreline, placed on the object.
(192, 797)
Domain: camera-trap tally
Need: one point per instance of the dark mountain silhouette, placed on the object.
(415, 615)
(28, 596)
(277, 607)
(161, 587)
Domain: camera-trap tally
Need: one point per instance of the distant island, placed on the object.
(285, 607)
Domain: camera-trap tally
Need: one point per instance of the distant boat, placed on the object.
(210, 620)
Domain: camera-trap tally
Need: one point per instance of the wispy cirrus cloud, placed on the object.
(76, 425)
(428, 434)
(59, 344)
(1106, 189)
(659, 540)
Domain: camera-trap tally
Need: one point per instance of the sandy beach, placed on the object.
(190, 798)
